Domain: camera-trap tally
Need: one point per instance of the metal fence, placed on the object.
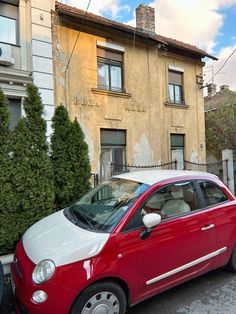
(121, 168)
(215, 168)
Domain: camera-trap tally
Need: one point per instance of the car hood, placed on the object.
(56, 238)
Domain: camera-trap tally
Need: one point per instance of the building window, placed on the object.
(113, 150)
(175, 87)
(177, 149)
(110, 69)
(7, 30)
(9, 23)
(14, 106)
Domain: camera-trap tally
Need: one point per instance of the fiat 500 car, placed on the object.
(126, 240)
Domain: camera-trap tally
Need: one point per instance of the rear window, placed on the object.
(212, 193)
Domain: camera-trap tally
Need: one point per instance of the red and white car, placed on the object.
(126, 240)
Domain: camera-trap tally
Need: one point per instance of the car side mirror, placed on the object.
(150, 221)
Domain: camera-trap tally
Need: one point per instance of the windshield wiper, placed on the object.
(82, 216)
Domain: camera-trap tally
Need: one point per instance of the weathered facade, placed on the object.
(26, 53)
(136, 94)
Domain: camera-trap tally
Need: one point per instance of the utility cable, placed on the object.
(221, 66)
(72, 51)
(77, 38)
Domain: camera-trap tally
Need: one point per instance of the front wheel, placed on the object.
(101, 298)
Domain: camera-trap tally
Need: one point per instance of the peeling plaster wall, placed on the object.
(143, 154)
(194, 157)
(142, 111)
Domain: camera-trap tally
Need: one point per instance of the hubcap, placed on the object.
(102, 303)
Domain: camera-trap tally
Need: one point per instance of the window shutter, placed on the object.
(109, 54)
(113, 137)
(175, 78)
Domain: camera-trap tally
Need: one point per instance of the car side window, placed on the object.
(170, 201)
(212, 193)
(173, 200)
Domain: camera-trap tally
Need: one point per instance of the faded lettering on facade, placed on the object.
(135, 107)
(85, 101)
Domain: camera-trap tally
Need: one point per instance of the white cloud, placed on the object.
(226, 76)
(112, 7)
(196, 22)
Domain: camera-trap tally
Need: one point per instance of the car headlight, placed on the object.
(43, 271)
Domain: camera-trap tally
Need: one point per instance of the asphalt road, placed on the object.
(213, 293)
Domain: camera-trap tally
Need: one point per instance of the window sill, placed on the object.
(110, 93)
(176, 105)
(9, 44)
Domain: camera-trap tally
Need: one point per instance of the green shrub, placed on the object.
(31, 172)
(69, 158)
(7, 196)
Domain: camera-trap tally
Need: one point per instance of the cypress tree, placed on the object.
(70, 159)
(8, 233)
(32, 175)
(5, 164)
(81, 164)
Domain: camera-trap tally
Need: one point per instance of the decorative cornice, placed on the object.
(12, 76)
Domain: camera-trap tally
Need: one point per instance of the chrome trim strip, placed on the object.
(181, 268)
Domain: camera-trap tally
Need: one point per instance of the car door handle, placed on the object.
(211, 226)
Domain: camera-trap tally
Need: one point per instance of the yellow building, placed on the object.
(136, 94)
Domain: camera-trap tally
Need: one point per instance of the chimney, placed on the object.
(224, 87)
(211, 89)
(145, 18)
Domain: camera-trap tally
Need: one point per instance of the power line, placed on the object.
(77, 38)
(222, 66)
(72, 51)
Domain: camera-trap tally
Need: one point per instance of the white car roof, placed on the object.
(153, 176)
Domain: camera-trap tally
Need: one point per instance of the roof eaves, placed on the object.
(90, 17)
(111, 24)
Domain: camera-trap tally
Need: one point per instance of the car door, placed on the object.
(182, 246)
(223, 208)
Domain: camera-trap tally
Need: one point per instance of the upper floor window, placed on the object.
(9, 22)
(175, 87)
(7, 30)
(110, 69)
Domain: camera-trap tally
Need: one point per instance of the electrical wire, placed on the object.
(77, 38)
(221, 67)
(71, 54)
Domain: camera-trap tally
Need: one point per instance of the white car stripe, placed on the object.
(181, 268)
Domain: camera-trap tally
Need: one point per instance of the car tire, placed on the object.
(232, 262)
(106, 297)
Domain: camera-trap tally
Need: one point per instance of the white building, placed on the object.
(26, 54)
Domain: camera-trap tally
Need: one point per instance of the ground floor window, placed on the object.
(14, 106)
(177, 149)
(113, 150)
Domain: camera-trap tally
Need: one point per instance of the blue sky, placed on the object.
(208, 24)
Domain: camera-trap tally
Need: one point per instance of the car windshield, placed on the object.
(104, 206)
